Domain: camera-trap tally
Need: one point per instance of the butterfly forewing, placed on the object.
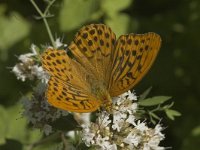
(60, 65)
(55, 63)
(92, 47)
(134, 55)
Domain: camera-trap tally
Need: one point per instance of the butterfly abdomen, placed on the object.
(107, 102)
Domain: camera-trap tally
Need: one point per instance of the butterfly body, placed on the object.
(100, 91)
(101, 67)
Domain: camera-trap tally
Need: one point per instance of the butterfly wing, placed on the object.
(92, 48)
(67, 87)
(68, 97)
(133, 57)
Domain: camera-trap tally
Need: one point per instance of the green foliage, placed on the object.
(13, 29)
(117, 20)
(12, 121)
(156, 100)
(154, 105)
(172, 113)
(71, 16)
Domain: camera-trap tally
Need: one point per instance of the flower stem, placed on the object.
(44, 16)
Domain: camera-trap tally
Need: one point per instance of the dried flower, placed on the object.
(39, 112)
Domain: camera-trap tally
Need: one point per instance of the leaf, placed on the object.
(145, 93)
(196, 131)
(13, 29)
(118, 23)
(14, 127)
(154, 115)
(111, 7)
(171, 114)
(75, 13)
(3, 125)
(154, 100)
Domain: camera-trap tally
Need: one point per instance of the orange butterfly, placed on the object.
(100, 67)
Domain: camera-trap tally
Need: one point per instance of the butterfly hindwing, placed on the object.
(67, 97)
(68, 88)
(133, 57)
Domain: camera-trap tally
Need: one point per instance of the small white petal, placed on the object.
(58, 43)
(132, 139)
(33, 49)
(131, 119)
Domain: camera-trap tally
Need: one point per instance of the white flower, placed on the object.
(40, 73)
(28, 67)
(121, 128)
(33, 49)
(132, 140)
(58, 43)
(104, 119)
(131, 119)
(88, 136)
(140, 126)
(105, 144)
(118, 120)
(158, 130)
(131, 96)
(18, 72)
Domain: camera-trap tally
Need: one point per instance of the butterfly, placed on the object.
(97, 67)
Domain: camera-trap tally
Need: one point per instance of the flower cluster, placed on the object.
(122, 129)
(29, 67)
(39, 112)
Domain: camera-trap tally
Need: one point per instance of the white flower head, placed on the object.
(132, 140)
(121, 128)
(141, 126)
(28, 68)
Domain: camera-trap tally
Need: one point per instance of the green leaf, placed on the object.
(75, 13)
(13, 29)
(172, 113)
(196, 131)
(145, 93)
(154, 115)
(154, 100)
(3, 125)
(111, 7)
(13, 126)
(118, 23)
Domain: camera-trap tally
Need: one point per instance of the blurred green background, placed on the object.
(175, 72)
